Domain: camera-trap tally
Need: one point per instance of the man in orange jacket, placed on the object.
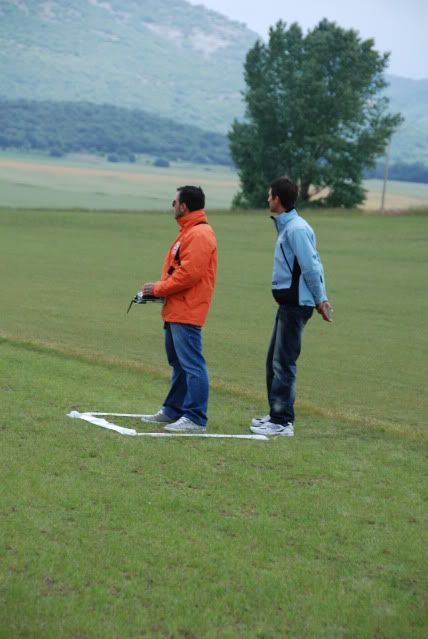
(187, 284)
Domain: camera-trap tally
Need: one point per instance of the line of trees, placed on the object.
(415, 172)
(120, 134)
(64, 127)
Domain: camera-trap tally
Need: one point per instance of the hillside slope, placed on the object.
(167, 57)
(410, 97)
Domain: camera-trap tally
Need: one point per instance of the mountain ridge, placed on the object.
(167, 57)
(127, 54)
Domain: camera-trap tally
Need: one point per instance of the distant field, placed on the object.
(83, 181)
(93, 183)
(399, 195)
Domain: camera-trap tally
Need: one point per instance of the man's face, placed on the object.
(273, 202)
(178, 208)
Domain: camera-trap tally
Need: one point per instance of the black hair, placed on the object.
(286, 190)
(192, 196)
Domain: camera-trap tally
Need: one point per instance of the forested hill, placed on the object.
(410, 97)
(162, 56)
(166, 57)
(119, 133)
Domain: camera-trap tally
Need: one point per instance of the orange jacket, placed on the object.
(189, 272)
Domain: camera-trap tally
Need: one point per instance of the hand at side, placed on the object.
(325, 310)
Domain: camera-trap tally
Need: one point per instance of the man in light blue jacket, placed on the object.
(298, 286)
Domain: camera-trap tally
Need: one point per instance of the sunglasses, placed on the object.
(174, 202)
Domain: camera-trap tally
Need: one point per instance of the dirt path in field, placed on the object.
(131, 175)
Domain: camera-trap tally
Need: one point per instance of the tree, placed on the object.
(314, 111)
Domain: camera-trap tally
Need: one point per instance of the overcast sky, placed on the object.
(398, 26)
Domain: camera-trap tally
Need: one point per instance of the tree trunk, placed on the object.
(304, 190)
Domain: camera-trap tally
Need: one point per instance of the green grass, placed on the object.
(68, 278)
(106, 536)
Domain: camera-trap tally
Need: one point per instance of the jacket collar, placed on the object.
(283, 219)
(192, 218)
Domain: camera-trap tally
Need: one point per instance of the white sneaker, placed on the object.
(158, 417)
(268, 428)
(184, 425)
(258, 421)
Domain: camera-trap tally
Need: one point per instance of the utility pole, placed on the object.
(385, 176)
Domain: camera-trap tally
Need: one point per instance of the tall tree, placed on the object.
(314, 111)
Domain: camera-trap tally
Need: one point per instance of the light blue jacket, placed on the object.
(298, 274)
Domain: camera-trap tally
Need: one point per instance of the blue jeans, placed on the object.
(188, 395)
(283, 352)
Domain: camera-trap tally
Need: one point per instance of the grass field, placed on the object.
(322, 535)
(90, 182)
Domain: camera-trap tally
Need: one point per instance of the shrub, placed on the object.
(161, 162)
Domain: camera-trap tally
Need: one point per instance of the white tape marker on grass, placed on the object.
(98, 420)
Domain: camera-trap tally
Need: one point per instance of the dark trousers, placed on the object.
(284, 350)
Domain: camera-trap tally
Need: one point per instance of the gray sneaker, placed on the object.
(158, 417)
(268, 428)
(258, 421)
(184, 425)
